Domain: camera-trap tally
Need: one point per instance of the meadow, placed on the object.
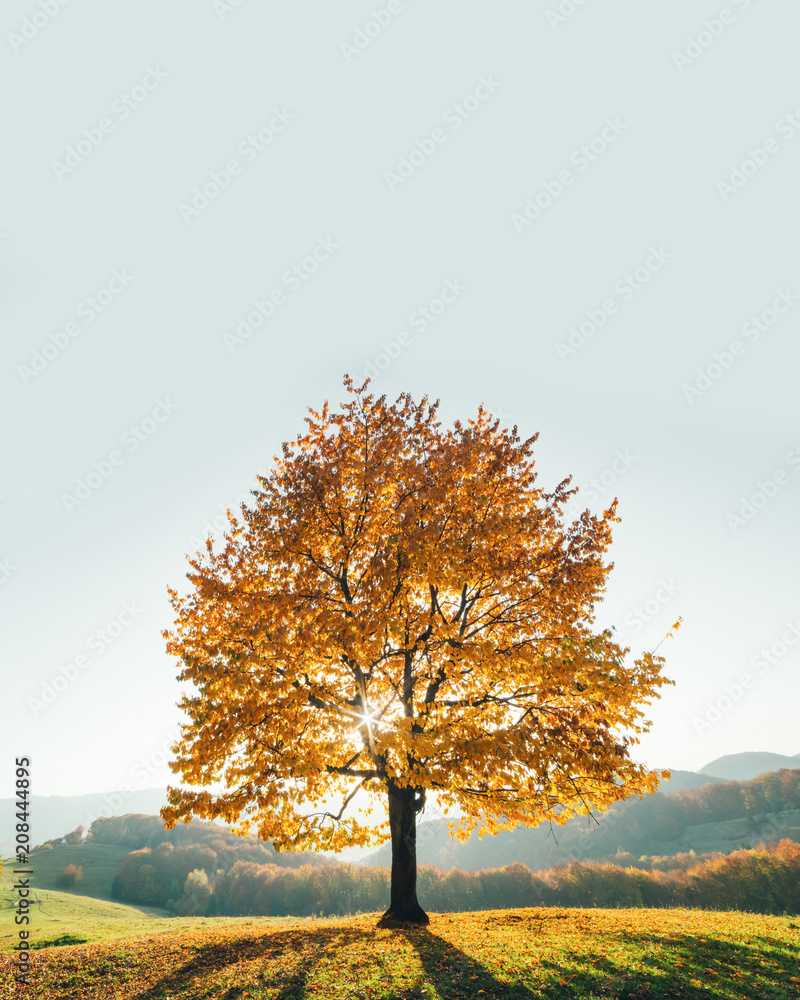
(593, 954)
(99, 864)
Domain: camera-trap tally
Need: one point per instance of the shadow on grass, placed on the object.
(761, 967)
(670, 966)
(453, 973)
(449, 970)
(214, 958)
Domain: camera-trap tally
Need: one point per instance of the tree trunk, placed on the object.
(403, 824)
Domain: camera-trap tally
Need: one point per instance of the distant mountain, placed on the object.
(52, 816)
(743, 766)
(682, 780)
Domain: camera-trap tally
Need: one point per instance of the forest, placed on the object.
(765, 879)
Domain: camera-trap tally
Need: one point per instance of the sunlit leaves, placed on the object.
(404, 603)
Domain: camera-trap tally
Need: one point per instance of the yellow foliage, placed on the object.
(404, 604)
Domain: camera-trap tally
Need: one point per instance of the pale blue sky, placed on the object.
(557, 173)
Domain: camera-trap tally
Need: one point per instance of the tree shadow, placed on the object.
(214, 958)
(452, 972)
(678, 965)
(685, 966)
(745, 968)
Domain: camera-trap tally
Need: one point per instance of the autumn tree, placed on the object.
(403, 612)
(69, 876)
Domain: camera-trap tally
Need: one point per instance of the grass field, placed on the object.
(90, 920)
(60, 915)
(588, 954)
(56, 913)
(100, 863)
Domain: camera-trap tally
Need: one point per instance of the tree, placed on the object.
(196, 896)
(403, 612)
(67, 878)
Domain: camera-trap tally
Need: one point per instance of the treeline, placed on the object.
(637, 825)
(775, 791)
(654, 824)
(157, 872)
(186, 880)
(765, 879)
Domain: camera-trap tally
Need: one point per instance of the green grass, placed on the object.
(56, 916)
(533, 953)
(56, 913)
(100, 863)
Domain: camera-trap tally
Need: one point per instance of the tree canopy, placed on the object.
(402, 608)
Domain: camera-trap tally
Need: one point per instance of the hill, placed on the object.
(137, 832)
(743, 766)
(62, 918)
(99, 864)
(680, 781)
(55, 815)
(64, 915)
(720, 816)
(538, 952)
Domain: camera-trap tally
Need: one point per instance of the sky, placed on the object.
(216, 210)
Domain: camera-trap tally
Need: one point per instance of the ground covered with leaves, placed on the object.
(589, 954)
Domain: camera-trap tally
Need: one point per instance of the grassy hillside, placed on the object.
(58, 913)
(65, 919)
(59, 917)
(100, 863)
(587, 954)
(720, 816)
